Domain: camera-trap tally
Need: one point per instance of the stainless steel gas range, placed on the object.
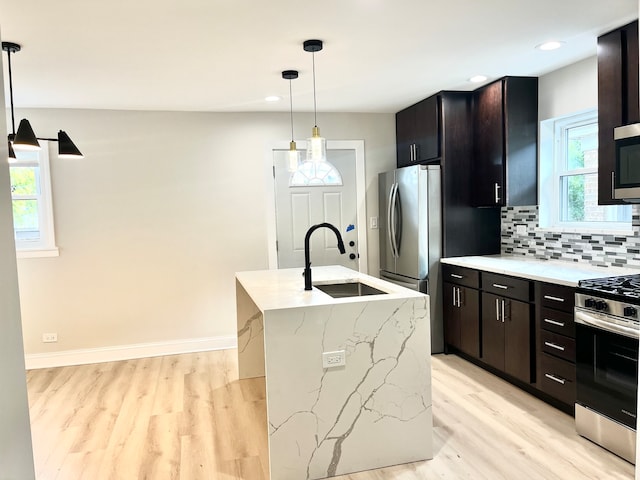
(607, 327)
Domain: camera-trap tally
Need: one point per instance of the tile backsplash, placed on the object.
(597, 249)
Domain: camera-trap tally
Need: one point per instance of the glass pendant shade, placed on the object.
(316, 147)
(25, 139)
(12, 154)
(66, 148)
(294, 157)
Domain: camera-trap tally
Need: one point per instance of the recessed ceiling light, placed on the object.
(478, 78)
(552, 45)
(272, 98)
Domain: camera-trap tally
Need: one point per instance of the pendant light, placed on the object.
(25, 138)
(294, 154)
(316, 145)
(12, 153)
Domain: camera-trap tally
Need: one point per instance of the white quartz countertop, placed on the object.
(552, 271)
(284, 288)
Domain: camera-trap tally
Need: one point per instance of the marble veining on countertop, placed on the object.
(552, 271)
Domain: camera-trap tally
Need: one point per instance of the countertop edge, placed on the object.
(556, 272)
(278, 289)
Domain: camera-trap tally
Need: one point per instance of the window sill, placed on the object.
(587, 231)
(38, 253)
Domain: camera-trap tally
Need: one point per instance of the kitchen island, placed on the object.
(348, 380)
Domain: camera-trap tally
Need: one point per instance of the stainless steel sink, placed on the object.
(351, 289)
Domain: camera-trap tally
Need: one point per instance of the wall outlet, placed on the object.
(373, 222)
(521, 229)
(49, 337)
(333, 359)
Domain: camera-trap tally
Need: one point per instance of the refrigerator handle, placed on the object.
(397, 229)
(390, 221)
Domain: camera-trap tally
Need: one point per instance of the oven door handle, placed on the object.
(591, 320)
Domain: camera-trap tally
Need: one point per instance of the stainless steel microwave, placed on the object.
(626, 178)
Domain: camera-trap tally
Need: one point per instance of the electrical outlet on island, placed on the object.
(333, 359)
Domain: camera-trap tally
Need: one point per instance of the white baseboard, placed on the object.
(127, 352)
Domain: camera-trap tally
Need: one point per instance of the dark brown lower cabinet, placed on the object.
(462, 327)
(506, 335)
(556, 345)
(557, 378)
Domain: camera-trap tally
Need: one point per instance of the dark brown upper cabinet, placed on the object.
(617, 99)
(505, 119)
(418, 133)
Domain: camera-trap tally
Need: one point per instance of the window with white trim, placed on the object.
(569, 177)
(32, 203)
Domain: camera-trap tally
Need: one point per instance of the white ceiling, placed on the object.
(227, 55)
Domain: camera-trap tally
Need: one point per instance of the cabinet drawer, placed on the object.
(558, 322)
(504, 286)
(558, 378)
(558, 345)
(461, 276)
(557, 296)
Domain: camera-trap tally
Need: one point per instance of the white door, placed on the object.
(313, 196)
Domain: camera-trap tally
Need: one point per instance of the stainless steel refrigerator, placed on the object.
(411, 236)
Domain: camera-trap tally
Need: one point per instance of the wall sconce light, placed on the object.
(25, 138)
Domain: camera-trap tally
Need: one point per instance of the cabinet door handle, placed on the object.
(453, 275)
(458, 297)
(497, 309)
(613, 185)
(454, 296)
(503, 287)
(554, 322)
(553, 345)
(497, 188)
(555, 299)
(554, 378)
(502, 311)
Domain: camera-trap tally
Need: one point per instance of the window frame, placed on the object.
(45, 246)
(553, 167)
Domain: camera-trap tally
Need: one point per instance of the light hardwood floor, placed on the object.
(188, 417)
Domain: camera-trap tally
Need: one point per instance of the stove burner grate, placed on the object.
(625, 285)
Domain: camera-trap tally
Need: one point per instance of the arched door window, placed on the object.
(319, 174)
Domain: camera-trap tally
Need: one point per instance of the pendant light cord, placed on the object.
(291, 109)
(13, 120)
(315, 108)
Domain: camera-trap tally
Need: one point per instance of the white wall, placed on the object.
(568, 90)
(156, 219)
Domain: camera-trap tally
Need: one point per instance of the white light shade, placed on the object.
(294, 157)
(316, 147)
